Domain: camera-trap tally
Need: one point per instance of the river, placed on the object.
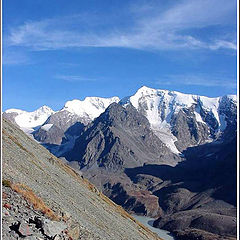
(148, 222)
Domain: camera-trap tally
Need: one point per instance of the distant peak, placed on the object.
(148, 90)
(101, 99)
(90, 106)
(44, 109)
(145, 88)
(14, 110)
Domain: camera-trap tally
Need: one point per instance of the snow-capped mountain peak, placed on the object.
(90, 107)
(179, 120)
(30, 120)
(161, 108)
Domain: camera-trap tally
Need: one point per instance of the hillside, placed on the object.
(78, 206)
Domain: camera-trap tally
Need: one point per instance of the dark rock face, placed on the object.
(229, 109)
(190, 132)
(187, 130)
(64, 125)
(53, 136)
(119, 138)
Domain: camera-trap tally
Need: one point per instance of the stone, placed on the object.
(13, 234)
(10, 220)
(7, 205)
(53, 228)
(4, 196)
(36, 221)
(25, 229)
(5, 212)
(66, 215)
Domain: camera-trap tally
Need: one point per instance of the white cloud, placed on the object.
(152, 28)
(74, 78)
(15, 57)
(199, 80)
(223, 44)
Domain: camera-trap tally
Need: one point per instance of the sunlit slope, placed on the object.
(63, 190)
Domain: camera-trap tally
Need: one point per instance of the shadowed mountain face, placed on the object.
(119, 138)
(199, 193)
(59, 128)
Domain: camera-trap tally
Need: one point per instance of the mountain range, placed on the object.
(205, 119)
(159, 153)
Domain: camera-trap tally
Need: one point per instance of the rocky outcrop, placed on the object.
(187, 130)
(21, 220)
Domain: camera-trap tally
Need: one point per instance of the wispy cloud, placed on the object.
(152, 28)
(74, 78)
(15, 57)
(199, 80)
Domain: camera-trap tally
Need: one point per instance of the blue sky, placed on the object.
(57, 50)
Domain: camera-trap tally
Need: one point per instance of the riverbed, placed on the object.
(148, 222)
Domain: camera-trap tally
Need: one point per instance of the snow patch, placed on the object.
(223, 123)
(46, 127)
(158, 106)
(33, 119)
(90, 107)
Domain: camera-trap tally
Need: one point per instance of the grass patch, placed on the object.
(37, 202)
(37, 165)
(6, 183)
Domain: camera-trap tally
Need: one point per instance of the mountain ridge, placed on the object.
(164, 109)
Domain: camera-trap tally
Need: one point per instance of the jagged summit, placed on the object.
(89, 108)
(164, 108)
(119, 137)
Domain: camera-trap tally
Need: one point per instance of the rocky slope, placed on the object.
(36, 174)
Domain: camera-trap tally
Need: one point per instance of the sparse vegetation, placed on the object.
(37, 202)
(6, 183)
